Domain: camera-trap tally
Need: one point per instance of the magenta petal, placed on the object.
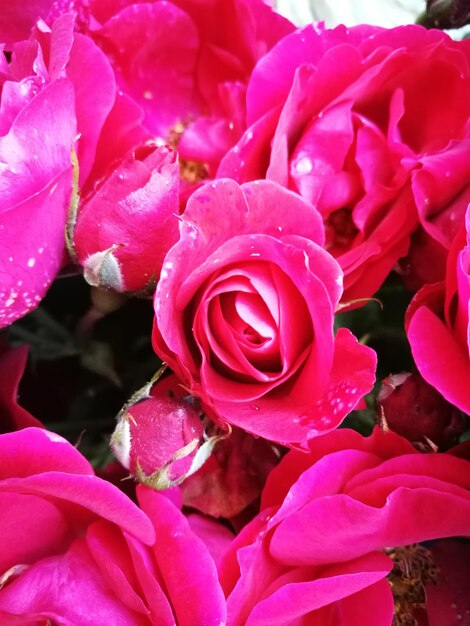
(17, 20)
(135, 210)
(95, 92)
(94, 497)
(107, 545)
(383, 444)
(32, 243)
(373, 606)
(150, 582)
(185, 564)
(297, 599)
(440, 359)
(44, 529)
(215, 535)
(35, 189)
(341, 528)
(352, 377)
(68, 589)
(161, 32)
(12, 415)
(36, 150)
(33, 450)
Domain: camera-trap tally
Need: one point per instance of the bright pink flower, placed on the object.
(194, 60)
(127, 225)
(159, 434)
(439, 327)
(58, 86)
(244, 314)
(76, 550)
(327, 517)
(215, 535)
(370, 125)
(183, 61)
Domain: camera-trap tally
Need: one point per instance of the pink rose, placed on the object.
(126, 226)
(334, 523)
(438, 326)
(57, 87)
(370, 125)
(76, 550)
(183, 61)
(158, 435)
(244, 314)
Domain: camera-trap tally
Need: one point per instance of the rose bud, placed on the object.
(159, 435)
(125, 228)
(448, 13)
(416, 411)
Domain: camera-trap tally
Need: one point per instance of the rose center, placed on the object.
(340, 231)
(190, 171)
(413, 569)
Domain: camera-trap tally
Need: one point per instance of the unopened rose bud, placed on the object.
(160, 437)
(415, 410)
(126, 227)
(448, 13)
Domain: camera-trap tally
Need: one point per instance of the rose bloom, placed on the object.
(56, 93)
(158, 435)
(128, 222)
(244, 314)
(183, 61)
(336, 522)
(76, 550)
(438, 326)
(370, 125)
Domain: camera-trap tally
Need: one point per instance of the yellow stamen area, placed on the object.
(413, 569)
(190, 171)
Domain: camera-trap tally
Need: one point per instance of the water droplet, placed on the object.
(31, 262)
(303, 166)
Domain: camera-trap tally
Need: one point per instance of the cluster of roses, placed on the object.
(258, 180)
